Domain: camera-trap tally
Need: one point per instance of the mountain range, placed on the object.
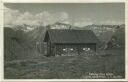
(26, 41)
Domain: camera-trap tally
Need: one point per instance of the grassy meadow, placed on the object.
(68, 67)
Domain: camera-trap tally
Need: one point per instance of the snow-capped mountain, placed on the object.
(25, 28)
(59, 25)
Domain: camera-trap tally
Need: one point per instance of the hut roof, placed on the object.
(70, 36)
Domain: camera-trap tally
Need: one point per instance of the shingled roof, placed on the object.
(70, 36)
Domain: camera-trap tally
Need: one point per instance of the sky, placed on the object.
(78, 14)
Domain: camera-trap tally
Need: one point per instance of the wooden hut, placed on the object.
(69, 42)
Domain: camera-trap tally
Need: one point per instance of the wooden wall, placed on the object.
(69, 49)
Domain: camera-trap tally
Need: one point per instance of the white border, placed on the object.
(126, 40)
(61, 1)
(1, 40)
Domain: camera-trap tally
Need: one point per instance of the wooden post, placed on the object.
(78, 50)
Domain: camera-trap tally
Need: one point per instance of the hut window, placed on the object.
(64, 49)
(84, 48)
(88, 49)
(71, 49)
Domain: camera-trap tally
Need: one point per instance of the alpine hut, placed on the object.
(61, 42)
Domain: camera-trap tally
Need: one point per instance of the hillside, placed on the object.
(118, 39)
(18, 45)
(68, 67)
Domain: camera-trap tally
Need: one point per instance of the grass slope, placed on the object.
(71, 67)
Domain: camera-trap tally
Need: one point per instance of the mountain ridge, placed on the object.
(29, 44)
